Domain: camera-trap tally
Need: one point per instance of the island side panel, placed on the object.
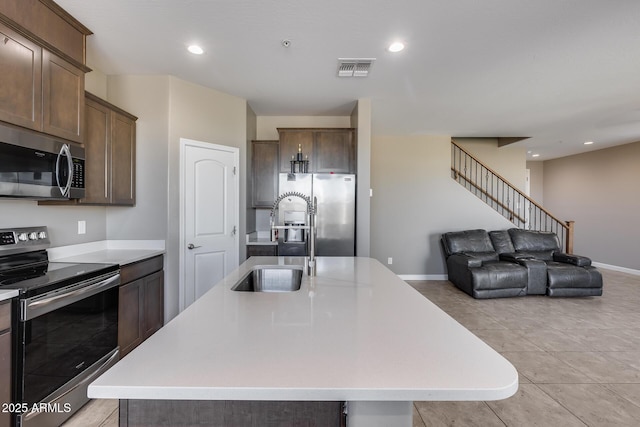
(223, 413)
(379, 414)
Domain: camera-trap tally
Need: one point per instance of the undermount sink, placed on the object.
(271, 278)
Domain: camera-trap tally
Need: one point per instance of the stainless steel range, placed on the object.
(65, 326)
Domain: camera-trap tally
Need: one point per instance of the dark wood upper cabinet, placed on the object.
(290, 141)
(334, 150)
(21, 71)
(123, 159)
(110, 154)
(264, 168)
(62, 98)
(42, 64)
(50, 25)
(328, 149)
(97, 162)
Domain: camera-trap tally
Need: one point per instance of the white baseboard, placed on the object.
(616, 268)
(423, 276)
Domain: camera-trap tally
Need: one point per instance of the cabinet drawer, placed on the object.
(5, 315)
(262, 250)
(131, 272)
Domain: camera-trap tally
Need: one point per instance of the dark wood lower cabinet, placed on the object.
(141, 303)
(129, 314)
(262, 250)
(153, 313)
(224, 413)
(5, 361)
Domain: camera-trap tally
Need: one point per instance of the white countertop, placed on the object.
(355, 332)
(260, 238)
(120, 252)
(6, 294)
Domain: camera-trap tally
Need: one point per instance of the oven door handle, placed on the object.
(73, 394)
(37, 306)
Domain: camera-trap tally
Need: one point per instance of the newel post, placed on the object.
(569, 241)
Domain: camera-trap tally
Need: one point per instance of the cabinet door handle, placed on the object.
(191, 246)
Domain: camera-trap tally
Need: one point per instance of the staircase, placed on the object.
(505, 199)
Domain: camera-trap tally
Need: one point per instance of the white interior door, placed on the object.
(209, 220)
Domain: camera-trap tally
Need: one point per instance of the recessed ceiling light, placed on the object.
(588, 143)
(535, 155)
(195, 49)
(396, 47)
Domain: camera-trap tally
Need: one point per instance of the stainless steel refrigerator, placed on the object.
(336, 213)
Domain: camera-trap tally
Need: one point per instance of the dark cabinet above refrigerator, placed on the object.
(330, 150)
(326, 150)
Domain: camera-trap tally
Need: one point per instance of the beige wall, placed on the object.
(415, 200)
(599, 191)
(251, 135)
(146, 97)
(206, 115)
(361, 119)
(169, 109)
(508, 161)
(267, 125)
(95, 82)
(61, 221)
(536, 170)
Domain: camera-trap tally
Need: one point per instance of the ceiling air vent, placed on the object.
(354, 67)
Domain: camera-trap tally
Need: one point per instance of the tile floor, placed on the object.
(96, 413)
(578, 359)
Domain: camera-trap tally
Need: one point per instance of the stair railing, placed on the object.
(504, 198)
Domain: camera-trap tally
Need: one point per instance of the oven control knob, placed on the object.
(23, 237)
(33, 236)
(42, 235)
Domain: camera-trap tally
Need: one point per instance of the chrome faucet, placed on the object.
(312, 205)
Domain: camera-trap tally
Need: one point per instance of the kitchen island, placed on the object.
(354, 333)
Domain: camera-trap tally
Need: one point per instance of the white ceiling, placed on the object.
(560, 71)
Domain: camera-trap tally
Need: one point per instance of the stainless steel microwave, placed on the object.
(36, 166)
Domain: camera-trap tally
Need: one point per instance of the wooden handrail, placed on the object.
(484, 192)
(569, 243)
(533, 202)
(566, 225)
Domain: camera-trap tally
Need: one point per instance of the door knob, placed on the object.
(192, 246)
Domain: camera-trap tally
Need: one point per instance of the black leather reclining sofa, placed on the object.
(516, 262)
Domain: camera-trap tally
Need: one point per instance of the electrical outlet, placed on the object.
(82, 227)
(389, 260)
